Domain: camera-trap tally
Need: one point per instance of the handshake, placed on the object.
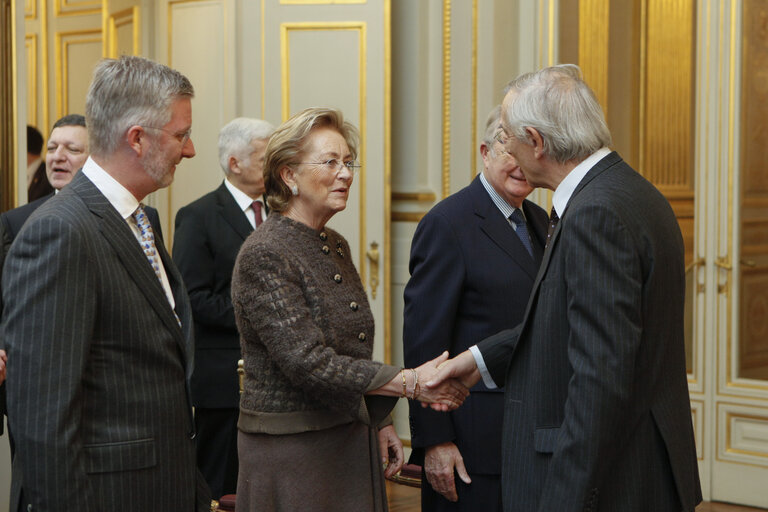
(444, 382)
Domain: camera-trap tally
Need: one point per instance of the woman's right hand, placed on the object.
(448, 395)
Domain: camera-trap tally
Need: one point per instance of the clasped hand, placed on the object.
(444, 396)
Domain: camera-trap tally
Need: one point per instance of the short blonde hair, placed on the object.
(288, 142)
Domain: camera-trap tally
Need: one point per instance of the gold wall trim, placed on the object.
(446, 136)
(15, 94)
(321, 2)
(69, 8)
(407, 216)
(285, 56)
(594, 17)
(63, 42)
(546, 20)
(551, 34)
(45, 66)
(30, 9)
(414, 196)
(263, 64)
(30, 42)
(728, 448)
(387, 182)
(473, 108)
(129, 16)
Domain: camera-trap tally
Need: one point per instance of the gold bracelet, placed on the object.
(415, 383)
(402, 374)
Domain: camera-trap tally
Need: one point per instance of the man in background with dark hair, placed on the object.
(37, 184)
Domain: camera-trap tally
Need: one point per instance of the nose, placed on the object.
(345, 174)
(188, 150)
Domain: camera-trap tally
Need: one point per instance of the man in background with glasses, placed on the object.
(96, 319)
(474, 258)
(208, 236)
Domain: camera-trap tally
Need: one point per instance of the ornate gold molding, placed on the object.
(119, 19)
(473, 109)
(30, 44)
(414, 196)
(387, 182)
(30, 9)
(446, 136)
(70, 8)
(62, 44)
(407, 216)
(594, 17)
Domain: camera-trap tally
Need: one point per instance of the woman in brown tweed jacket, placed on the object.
(314, 414)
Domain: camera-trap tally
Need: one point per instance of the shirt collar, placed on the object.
(504, 207)
(242, 199)
(565, 189)
(118, 196)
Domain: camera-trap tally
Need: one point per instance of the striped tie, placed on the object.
(522, 229)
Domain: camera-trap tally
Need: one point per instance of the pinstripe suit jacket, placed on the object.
(98, 394)
(597, 414)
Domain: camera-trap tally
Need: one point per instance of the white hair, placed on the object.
(236, 136)
(562, 108)
(130, 91)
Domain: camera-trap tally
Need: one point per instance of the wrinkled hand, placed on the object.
(3, 361)
(461, 368)
(440, 461)
(446, 395)
(391, 449)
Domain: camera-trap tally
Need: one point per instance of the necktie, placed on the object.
(553, 220)
(147, 241)
(522, 229)
(256, 207)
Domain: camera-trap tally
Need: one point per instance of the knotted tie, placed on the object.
(522, 229)
(256, 207)
(553, 220)
(147, 241)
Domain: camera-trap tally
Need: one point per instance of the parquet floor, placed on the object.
(406, 499)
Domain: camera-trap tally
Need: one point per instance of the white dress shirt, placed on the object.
(244, 201)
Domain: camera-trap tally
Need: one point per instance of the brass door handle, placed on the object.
(723, 263)
(748, 263)
(695, 263)
(373, 259)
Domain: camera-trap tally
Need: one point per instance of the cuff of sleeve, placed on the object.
(487, 379)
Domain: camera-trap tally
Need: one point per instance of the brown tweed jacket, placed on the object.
(306, 332)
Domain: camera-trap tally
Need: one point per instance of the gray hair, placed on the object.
(562, 108)
(130, 91)
(491, 127)
(236, 136)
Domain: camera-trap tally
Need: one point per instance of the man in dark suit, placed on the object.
(96, 318)
(209, 233)
(472, 269)
(66, 153)
(597, 414)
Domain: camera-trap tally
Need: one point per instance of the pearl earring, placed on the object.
(294, 190)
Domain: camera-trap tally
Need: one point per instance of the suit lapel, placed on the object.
(231, 213)
(117, 233)
(608, 161)
(496, 227)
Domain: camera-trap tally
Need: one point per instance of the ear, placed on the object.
(484, 153)
(234, 165)
(288, 176)
(134, 138)
(536, 141)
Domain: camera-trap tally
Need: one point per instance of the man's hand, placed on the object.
(440, 461)
(444, 396)
(3, 361)
(391, 449)
(462, 368)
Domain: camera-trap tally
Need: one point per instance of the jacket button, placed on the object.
(192, 435)
(326, 249)
(361, 336)
(323, 236)
(337, 278)
(353, 306)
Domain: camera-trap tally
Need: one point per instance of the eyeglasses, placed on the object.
(336, 164)
(181, 137)
(502, 139)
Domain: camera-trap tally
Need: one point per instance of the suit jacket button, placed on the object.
(323, 236)
(326, 249)
(353, 306)
(337, 278)
(192, 435)
(361, 336)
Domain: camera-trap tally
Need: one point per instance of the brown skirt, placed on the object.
(335, 469)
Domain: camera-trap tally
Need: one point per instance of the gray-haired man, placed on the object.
(209, 233)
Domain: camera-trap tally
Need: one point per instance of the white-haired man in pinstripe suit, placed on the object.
(96, 318)
(597, 414)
